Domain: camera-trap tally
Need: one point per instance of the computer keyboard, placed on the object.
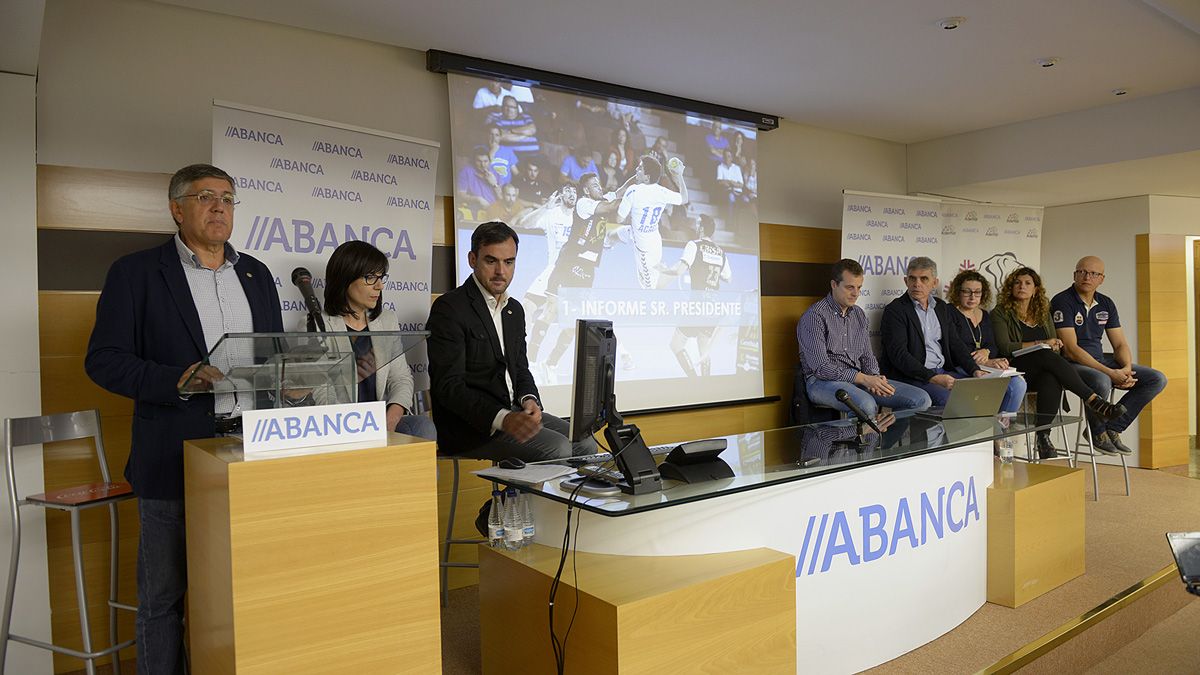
(602, 457)
(608, 473)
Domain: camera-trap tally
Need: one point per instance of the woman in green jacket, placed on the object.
(1022, 320)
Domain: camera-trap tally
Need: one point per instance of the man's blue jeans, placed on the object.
(162, 581)
(1150, 383)
(906, 397)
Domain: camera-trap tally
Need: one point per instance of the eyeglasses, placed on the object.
(208, 198)
(973, 294)
(1088, 274)
(372, 279)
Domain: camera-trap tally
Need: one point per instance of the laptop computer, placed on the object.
(1185, 546)
(971, 397)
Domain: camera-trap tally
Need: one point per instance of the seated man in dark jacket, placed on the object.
(918, 336)
(486, 404)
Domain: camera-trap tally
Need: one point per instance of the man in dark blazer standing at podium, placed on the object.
(918, 338)
(485, 402)
(160, 312)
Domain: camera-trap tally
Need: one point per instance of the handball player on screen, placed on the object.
(643, 205)
(709, 267)
(577, 261)
(554, 218)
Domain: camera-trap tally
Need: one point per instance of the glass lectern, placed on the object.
(275, 370)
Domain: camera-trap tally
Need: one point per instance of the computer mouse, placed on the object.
(512, 463)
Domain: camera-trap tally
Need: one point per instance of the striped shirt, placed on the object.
(835, 346)
(223, 308)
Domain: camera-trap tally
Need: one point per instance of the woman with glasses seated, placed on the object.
(354, 281)
(1022, 319)
(969, 293)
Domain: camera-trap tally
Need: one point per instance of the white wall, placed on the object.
(1144, 127)
(128, 84)
(20, 370)
(1174, 215)
(803, 171)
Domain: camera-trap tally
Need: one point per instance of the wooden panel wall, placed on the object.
(1162, 344)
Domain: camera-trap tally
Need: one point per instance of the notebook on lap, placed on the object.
(971, 397)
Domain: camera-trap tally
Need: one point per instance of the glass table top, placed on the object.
(776, 456)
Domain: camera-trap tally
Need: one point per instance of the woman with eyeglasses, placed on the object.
(354, 280)
(969, 293)
(1022, 319)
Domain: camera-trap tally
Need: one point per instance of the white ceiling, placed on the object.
(873, 67)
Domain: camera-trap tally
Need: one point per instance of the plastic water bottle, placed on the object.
(496, 522)
(527, 519)
(1006, 449)
(514, 533)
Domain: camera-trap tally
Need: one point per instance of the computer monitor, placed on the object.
(592, 386)
(594, 405)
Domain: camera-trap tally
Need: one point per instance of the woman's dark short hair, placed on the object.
(963, 277)
(844, 265)
(492, 232)
(351, 261)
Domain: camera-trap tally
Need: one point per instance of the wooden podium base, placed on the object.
(323, 563)
(1035, 530)
(722, 612)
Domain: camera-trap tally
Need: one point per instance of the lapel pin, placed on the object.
(249, 274)
(510, 311)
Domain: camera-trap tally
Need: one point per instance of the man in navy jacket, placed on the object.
(918, 336)
(160, 313)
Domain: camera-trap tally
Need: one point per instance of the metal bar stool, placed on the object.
(21, 431)
(424, 403)
(1084, 439)
(445, 563)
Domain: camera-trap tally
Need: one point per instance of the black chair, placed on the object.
(803, 410)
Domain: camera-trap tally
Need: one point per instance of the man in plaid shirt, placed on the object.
(835, 351)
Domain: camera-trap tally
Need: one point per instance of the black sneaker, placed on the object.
(1115, 439)
(1103, 409)
(1103, 445)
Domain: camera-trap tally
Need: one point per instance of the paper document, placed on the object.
(532, 473)
(998, 372)
(1032, 348)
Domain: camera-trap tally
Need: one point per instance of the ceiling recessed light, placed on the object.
(1120, 91)
(951, 22)
(1047, 62)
